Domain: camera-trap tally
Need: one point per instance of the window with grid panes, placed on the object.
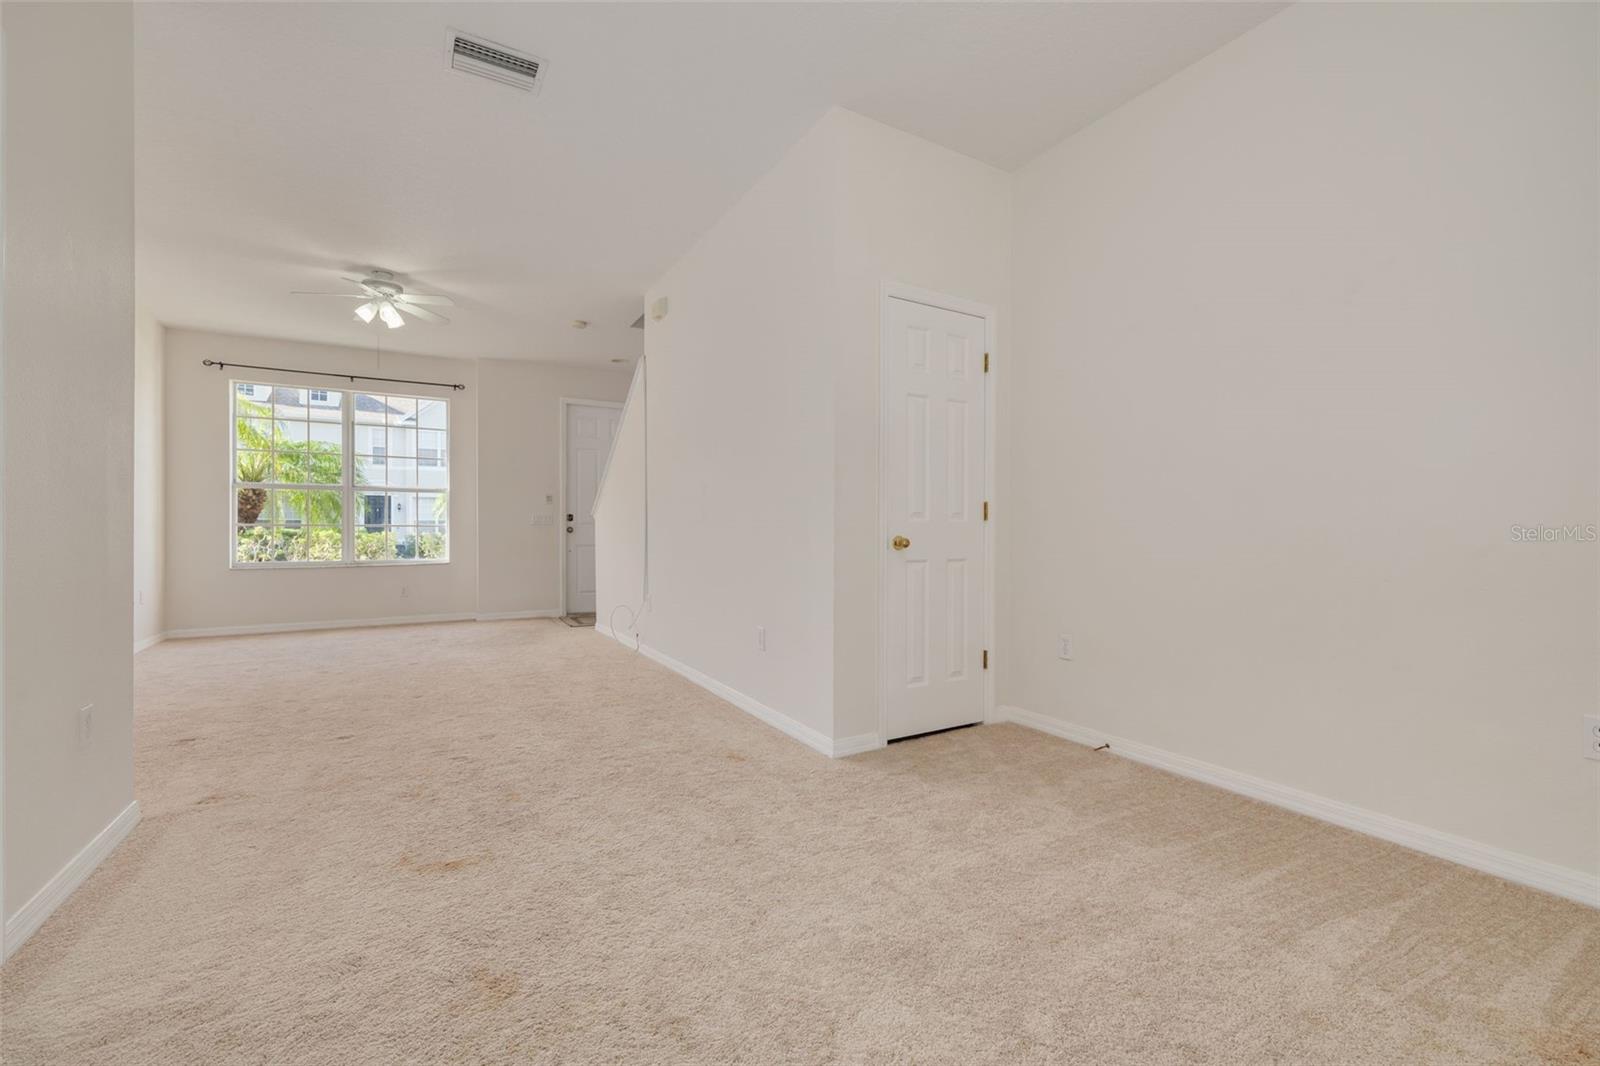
(329, 477)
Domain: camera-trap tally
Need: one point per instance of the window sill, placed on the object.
(359, 565)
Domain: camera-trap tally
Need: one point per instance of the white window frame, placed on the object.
(347, 488)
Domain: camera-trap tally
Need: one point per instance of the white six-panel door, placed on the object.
(934, 472)
(590, 431)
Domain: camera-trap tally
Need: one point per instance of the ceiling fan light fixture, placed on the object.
(383, 298)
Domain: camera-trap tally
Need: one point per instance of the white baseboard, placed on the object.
(20, 926)
(342, 623)
(857, 744)
(296, 627)
(811, 738)
(148, 642)
(1521, 869)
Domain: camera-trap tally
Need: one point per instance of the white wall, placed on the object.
(201, 591)
(1301, 334)
(619, 531)
(741, 465)
(149, 474)
(915, 213)
(519, 461)
(763, 387)
(66, 345)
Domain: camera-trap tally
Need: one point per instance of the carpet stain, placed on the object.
(443, 866)
(1564, 1049)
(492, 988)
(734, 756)
(219, 797)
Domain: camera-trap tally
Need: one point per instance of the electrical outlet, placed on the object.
(761, 638)
(85, 725)
(1064, 647)
(1591, 736)
(405, 591)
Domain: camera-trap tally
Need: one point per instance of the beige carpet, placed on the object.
(518, 842)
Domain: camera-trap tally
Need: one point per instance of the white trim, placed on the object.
(893, 290)
(1521, 869)
(857, 744)
(345, 623)
(20, 926)
(328, 564)
(561, 474)
(811, 738)
(507, 616)
(148, 642)
(295, 627)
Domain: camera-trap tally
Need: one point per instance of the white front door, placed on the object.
(590, 430)
(933, 485)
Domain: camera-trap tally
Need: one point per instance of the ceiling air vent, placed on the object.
(475, 56)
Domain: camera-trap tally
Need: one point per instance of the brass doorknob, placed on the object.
(901, 543)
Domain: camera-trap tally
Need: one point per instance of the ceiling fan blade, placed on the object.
(425, 298)
(420, 312)
(368, 289)
(346, 295)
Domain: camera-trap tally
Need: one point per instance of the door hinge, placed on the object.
(985, 362)
(986, 658)
(985, 510)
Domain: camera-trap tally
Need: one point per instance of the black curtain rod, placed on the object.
(330, 374)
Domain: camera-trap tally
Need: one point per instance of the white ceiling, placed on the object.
(282, 145)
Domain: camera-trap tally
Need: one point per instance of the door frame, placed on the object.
(894, 290)
(561, 492)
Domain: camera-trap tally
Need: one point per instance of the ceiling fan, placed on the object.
(386, 298)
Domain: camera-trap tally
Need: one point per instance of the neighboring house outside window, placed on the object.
(301, 496)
